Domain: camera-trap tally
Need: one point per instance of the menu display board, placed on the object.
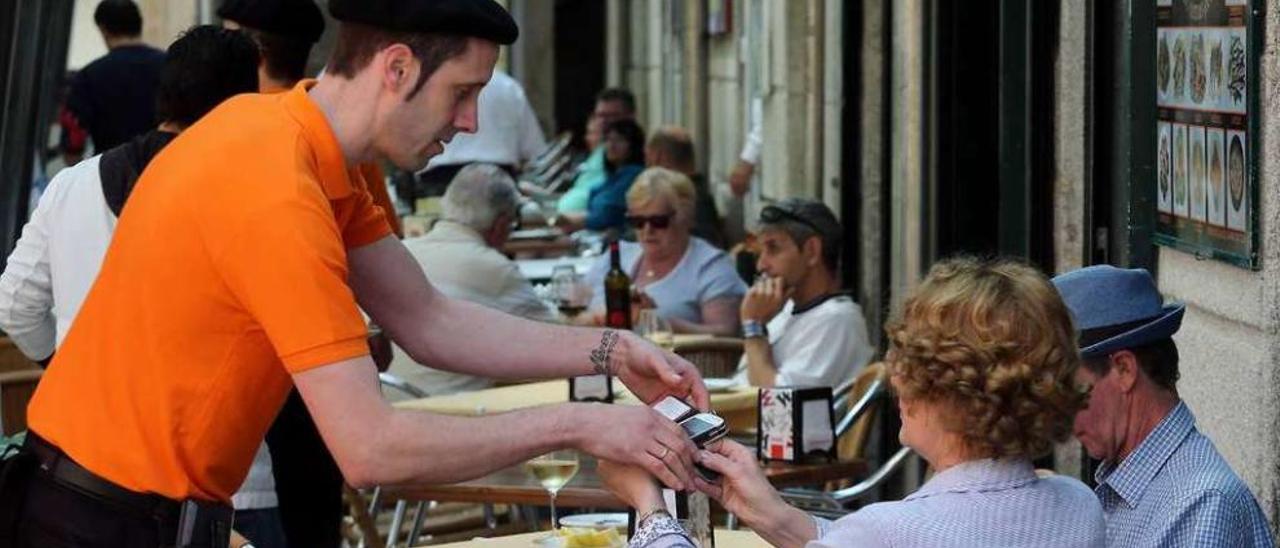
(1206, 74)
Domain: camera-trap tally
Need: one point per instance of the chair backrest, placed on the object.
(16, 389)
(714, 357)
(12, 359)
(857, 409)
(388, 380)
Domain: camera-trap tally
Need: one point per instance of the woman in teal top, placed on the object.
(624, 160)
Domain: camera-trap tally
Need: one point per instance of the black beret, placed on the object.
(300, 19)
(477, 18)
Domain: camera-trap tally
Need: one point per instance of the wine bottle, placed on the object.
(617, 301)
(617, 292)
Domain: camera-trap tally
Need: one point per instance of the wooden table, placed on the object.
(556, 247)
(509, 398)
(724, 539)
(586, 490)
(540, 270)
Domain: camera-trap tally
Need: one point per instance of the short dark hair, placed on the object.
(1158, 360)
(204, 67)
(284, 57)
(118, 17)
(358, 43)
(676, 144)
(633, 133)
(803, 218)
(622, 95)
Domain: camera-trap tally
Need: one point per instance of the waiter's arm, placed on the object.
(459, 336)
(374, 443)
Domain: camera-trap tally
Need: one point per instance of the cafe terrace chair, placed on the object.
(857, 403)
(388, 380)
(715, 357)
(16, 389)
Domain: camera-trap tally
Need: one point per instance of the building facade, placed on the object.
(1002, 127)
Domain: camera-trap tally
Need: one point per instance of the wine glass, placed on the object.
(568, 289)
(656, 328)
(553, 470)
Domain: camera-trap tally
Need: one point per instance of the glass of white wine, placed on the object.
(656, 328)
(553, 470)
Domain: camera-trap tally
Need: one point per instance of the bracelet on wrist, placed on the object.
(752, 329)
(659, 511)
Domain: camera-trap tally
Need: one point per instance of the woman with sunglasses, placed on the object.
(623, 161)
(691, 283)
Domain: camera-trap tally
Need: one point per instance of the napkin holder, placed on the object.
(796, 425)
(597, 388)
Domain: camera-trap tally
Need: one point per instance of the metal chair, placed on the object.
(388, 380)
(834, 504)
(714, 357)
(857, 402)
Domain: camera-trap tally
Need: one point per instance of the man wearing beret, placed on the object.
(296, 484)
(1162, 483)
(239, 278)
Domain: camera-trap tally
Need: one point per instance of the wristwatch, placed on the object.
(752, 329)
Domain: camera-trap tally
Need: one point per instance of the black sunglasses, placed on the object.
(656, 221)
(773, 214)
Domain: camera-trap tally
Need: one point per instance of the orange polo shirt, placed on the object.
(227, 273)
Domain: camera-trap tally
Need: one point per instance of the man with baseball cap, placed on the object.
(239, 277)
(1161, 482)
(799, 327)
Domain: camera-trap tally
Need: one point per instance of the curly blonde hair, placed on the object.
(993, 343)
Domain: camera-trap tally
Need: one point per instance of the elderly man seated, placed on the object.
(799, 327)
(1162, 482)
(461, 257)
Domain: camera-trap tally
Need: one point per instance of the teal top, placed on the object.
(591, 175)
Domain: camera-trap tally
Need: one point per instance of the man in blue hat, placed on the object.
(1162, 482)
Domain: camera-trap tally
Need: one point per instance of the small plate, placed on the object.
(596, 521)
(720, 385)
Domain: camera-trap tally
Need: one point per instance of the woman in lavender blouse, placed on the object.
(982, 358)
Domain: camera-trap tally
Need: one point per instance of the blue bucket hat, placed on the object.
(1123, 304)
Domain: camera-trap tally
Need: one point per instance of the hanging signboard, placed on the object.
(1206, 128)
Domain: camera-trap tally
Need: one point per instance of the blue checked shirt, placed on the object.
(989, 503)
(978, 504)
(1175, 490)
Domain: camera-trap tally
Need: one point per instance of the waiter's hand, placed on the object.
(638, 436)
(653, 373)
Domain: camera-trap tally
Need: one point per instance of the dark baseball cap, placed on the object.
(808, 212)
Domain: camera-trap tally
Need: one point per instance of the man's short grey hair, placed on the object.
(478, 194)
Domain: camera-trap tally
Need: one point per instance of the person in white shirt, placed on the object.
(62, 247)
(461, 257)
(508, 136)
(799, 328)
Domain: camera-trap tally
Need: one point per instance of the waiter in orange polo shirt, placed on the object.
(238, 277)
(307, 481)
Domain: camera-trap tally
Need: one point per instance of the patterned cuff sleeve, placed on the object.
(660, 531)
(823, 525)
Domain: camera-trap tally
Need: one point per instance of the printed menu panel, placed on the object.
(1204, 77)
